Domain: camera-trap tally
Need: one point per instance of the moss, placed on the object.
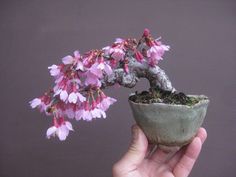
(156, 95)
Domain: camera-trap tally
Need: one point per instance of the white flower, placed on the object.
(35, 102)
(62, 131)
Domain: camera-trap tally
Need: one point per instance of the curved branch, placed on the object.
(155, 75)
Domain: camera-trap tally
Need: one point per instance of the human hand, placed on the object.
(138, 162)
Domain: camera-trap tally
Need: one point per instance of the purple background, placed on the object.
(36, 34)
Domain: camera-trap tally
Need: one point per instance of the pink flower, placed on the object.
(105, 102)
(107, 50)
(87, 113)
(79, 65)
(97, 112)
(74, 96)
(77, 54)
(98, 67)
(60, 128)
(118, 54)
(54, 70)
(41, 103)
(92, 79)
(104, 66)
(63, 94)
(96, 70)
(155, 53)
(68, 60)
(70, 113)
(139, 57)
(118, 40)
(146, 32)
(84, 113)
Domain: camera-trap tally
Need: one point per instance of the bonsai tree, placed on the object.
(80, 81)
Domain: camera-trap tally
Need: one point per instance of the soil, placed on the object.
(156, 95)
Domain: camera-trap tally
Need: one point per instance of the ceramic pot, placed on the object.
(170, 125)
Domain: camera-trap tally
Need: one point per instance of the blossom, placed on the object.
(63, 95)
(104, 66)
(118, 54)
(41, 103)
(54, 70)
(97, 112)
(61, 128)
(77, 54)
(139, 57)
(105, 102)
(96, 70)
(84, 113)
(70, 113)
(92, 79)
(79, 65)
(146, 32)
(35, 102)
(118, 40)
(107, 50)
(68, 60)
(126, 67)
(155, 53)
(74, 96)
(98, 67)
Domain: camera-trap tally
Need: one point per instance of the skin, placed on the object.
(142, 161)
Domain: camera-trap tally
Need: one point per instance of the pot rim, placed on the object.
(205, 100)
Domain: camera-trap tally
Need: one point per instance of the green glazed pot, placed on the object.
(167, 125)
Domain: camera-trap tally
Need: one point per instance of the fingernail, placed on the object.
(135, 132)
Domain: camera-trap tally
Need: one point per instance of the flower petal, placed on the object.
(72, 98)
(63, 95)
(62, 133)
(69, 126)
(81, 97)
(108, 69)
(68, 60)
(51, 131)
(35, 102)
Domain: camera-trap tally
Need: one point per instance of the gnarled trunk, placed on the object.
(155, 75)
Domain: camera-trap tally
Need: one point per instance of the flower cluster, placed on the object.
(78, 94)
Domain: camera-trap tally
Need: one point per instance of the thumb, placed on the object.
(137, 150)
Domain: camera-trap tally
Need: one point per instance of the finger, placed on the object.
(137, 150)
(151, 149)
(185, 164)
(160, 156)
(202, 134)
